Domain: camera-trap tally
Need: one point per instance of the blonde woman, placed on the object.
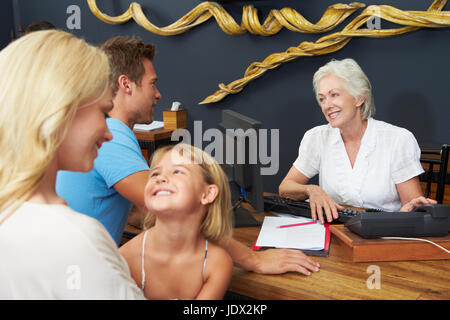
(189, 205)
(55, 92)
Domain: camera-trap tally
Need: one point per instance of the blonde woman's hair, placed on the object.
(217, 223)
(356, 82)
(45, 76)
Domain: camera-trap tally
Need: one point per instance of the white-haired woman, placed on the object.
(361, 162)
(54, 93)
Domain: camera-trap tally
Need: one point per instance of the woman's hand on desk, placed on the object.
(277, 261)
(320, 203)
(417, 202)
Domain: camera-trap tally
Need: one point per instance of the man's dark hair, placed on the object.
(126, 57)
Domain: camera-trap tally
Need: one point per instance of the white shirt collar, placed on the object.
(369, 137)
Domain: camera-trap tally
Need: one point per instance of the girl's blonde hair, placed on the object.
(46, 74)
(218, 219)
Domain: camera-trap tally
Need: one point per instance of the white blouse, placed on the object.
(388, 155)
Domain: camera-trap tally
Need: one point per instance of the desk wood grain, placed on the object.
(339, 278)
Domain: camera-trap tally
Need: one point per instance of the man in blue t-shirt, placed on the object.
(120, 172)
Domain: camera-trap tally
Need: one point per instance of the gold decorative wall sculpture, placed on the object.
(434, 17)
(275, 21)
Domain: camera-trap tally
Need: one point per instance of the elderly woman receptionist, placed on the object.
(361, 162)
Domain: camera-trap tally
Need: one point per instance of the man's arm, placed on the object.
(132, 188)
(272, 261)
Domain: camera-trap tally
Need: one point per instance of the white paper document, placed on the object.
(304, 237)
(149, 127)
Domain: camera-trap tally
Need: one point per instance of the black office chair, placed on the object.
(441, 177)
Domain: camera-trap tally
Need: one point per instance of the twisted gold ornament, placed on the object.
(275, 21)
(434, 17)
(412, 20)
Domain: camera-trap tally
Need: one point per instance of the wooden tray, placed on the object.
(358, 249)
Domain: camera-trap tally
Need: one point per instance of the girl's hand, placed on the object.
(321, 203)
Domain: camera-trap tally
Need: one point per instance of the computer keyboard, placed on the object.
(424, 221)
(300, 208)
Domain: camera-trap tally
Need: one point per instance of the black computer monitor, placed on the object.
(240, 158)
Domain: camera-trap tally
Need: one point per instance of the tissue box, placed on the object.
(175, 119)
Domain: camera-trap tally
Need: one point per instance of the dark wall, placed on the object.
(409, 73)
(6, 22)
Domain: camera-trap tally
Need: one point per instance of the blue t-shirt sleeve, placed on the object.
(119, 157)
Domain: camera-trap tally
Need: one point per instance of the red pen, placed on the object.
(297, 224)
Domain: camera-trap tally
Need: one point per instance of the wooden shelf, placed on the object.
(358, 249)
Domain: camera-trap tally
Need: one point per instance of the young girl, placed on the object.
(189, 205)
